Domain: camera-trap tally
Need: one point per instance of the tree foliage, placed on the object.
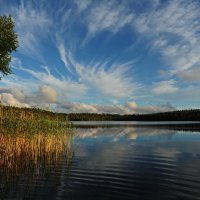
(178, 115)
(8, 43)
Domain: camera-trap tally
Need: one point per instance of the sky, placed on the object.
(103, 56)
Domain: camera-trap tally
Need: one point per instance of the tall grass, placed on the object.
(20, 151)
(15, 120)
(31, 140)
(31, 157)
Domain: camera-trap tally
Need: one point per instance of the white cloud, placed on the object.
(113, 82)
(191, 75)
(175, 28)
(18, 94)
(64, 57)
(132, 107)
(182, 56)
(79, 108)
(172, 18)
(32, 25)
(82, 4)
(128, 108)
(47, 89)
(172, 26)
(105, 79)
(175, 17)
(189, 96)
(43, 96)
(108, 15)
(164, 87)
(9, 100)
(64, 86)
(49, 94)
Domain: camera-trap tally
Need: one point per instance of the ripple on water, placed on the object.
(103, 169)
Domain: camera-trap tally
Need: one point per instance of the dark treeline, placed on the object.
(35, 113)
(180, 115)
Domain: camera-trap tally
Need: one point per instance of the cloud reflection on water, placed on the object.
(121, 132)
(130, 146)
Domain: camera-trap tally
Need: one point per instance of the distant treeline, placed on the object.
(10, 112)
(180, 115)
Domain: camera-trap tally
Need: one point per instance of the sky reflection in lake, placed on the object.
(116, 163)
(142, 162)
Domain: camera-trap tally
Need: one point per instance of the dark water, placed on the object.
(116, 162)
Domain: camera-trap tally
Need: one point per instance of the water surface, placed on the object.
(134, 123)
(115, 162)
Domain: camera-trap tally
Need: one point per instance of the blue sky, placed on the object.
(104, 56)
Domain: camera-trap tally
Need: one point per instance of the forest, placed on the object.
(178, 115)
(9, 113)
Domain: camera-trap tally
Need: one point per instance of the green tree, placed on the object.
(8, 43)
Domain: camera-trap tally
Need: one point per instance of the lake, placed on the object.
(104, 161)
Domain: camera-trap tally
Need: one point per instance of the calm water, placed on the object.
(115, 162)
(134, 123)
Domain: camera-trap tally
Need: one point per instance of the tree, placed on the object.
(8, 43)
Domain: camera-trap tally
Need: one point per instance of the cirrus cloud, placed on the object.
(164, 87)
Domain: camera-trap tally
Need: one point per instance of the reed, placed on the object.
(31, 156)
(31, 140)
(19, 151)
(14, 120)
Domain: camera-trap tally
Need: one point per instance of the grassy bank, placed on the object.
(14, 120)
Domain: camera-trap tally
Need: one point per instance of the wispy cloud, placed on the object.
(191, 75)
(164, 87)
(87, 73)
(50, 90)
(108, 81)
(64, 57)
(95, 80)
(108, 15)
(105, 79)
(64, 86)
(175, 28)
(32, 26)
(127, 108)
(185, 95)
(82, 4)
